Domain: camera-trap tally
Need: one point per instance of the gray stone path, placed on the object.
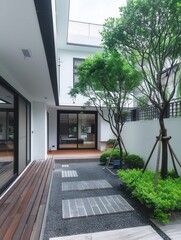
(85, 185)
(80, 207)
(69, 173)
(91, 212)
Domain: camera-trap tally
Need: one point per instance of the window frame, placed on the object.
(75, 60)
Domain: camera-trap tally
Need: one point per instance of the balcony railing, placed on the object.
(84, 33)
(151, 113)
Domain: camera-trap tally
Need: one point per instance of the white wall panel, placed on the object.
(140, 136)
(52, 128)
(39, 131)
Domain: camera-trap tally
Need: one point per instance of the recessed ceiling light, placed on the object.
(26, 53)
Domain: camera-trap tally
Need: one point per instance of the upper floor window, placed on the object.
(76, 62)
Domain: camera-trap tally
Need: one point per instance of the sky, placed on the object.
(94, 11)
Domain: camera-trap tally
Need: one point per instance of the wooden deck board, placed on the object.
(22, 208)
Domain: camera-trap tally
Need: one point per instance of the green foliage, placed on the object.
(179, 84)
(106, 154)
(134, 161)
(105, 76)
(162, 199)
(111, 142)
(148, 32)
(142, 101)
(131, 160)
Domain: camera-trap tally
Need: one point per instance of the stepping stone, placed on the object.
(69, 173)
(65, 165)
(171, 229)
(80, 207)
(85, 185)
(135, 233)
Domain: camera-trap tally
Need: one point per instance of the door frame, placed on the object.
(76, 112)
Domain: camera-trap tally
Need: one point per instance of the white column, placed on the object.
(39, 131)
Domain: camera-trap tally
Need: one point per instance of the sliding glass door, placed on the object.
(77, 130)
(15, 135)
(7, 130)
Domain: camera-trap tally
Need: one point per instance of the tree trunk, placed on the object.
(164, 165)
(121, 151)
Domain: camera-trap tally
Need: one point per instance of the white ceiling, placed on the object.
(19, 29)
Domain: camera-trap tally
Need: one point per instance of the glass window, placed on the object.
(15, 135)
(7, 129)
(76, 62)
(77, 130)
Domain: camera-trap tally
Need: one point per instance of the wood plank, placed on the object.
(34, 205)
(27, 204)
(40, 216)
(22, 208)
(20, 180)
(38, 205)
(16, 196)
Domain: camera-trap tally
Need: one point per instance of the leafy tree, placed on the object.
(106, 79)
(149, 31)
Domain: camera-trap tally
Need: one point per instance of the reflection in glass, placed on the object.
(77, 130)
(68, 131)
(87, 130)
(6, 137)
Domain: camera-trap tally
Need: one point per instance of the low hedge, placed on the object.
(134, 161)
(106, 154)
(162, 199)
(131, 160)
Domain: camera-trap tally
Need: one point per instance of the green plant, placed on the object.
(162, 199)
(115, 155)
(134, 161)
(106, 154)
(111, 142)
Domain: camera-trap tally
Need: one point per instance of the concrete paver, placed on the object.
(69, 173)
(141, 233)
(85, 185)
(99, 205)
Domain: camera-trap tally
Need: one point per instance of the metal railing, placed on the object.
(151, 113)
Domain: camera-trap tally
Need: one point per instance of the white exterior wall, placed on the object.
(52, 128)
(140, 136)
(105, 133)
(39, 131)
(66, 76)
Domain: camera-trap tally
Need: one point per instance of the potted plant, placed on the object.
(110, 143)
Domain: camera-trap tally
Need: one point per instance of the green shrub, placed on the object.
(134, 161)
(106, 154)
(162, 199)
(111, 142)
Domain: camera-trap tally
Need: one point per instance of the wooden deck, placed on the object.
(22, 208)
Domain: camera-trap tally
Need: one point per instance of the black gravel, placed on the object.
(56, 226)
